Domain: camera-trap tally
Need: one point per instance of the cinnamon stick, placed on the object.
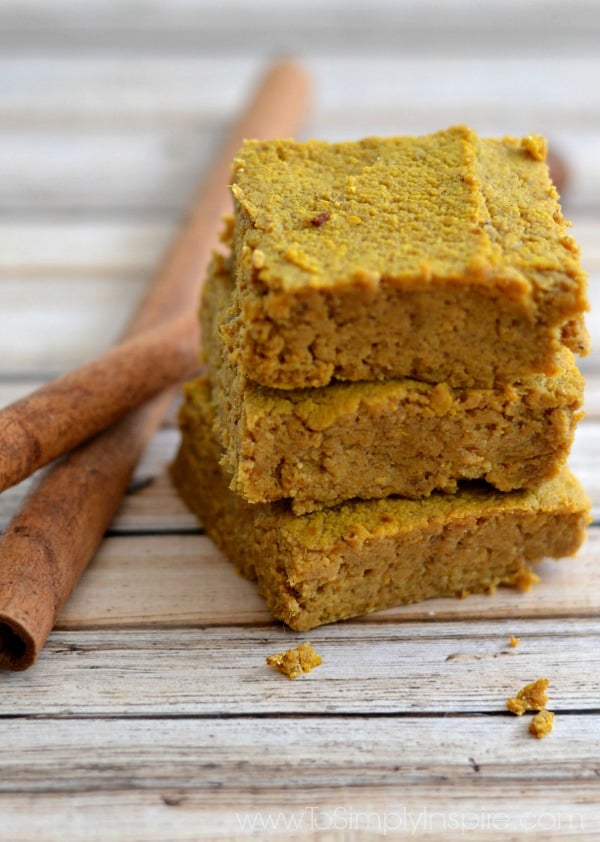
(50, 542)
(54, 419)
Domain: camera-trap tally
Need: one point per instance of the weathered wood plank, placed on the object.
(584, 459)
(51, 327)
(71, 171)
(200, 754)
(118, 90)
(592, 396)
(438, 811)
(174, 581)
(586, 230)
(372, 669)
(53, 249)
(12, 390)
(125, 134)
(308, 27)
(68, 170)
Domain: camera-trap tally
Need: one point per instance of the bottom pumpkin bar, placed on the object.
(366, 555)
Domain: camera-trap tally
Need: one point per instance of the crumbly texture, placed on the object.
(531, 697)
(295, 662)
(366, 555)
(541, 724)
(443, 258)
(526, 579)
(319, 447)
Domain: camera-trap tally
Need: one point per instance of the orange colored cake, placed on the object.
(363, 556)
(443, 258)
(319, 447)
(396, 318)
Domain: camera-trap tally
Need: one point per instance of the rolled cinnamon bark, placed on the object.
(48, 545)
(50, 542)
(60, 415)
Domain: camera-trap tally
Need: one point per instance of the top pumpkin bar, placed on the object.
(440, 258)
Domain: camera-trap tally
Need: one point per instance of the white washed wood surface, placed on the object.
(151, 714)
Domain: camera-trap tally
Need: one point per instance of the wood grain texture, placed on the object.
(373, 669)
(236, 26)
(57, 325)
(435, 811)
(189, 753)
(153, 89)
(129, 134)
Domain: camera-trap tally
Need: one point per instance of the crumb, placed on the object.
(513, 641)
(296, 661)
(531, 697)
(542, 723)
(525, 579)
(536, 146)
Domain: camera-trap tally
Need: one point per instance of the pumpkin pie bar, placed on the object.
(319, 447)
(443, 258)
(366, 555)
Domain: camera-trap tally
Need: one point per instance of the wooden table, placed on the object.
(151, 714)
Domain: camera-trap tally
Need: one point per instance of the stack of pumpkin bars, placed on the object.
(391, 391)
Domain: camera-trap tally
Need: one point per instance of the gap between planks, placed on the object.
(142, 754)
(409, 668)
(287, 716)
